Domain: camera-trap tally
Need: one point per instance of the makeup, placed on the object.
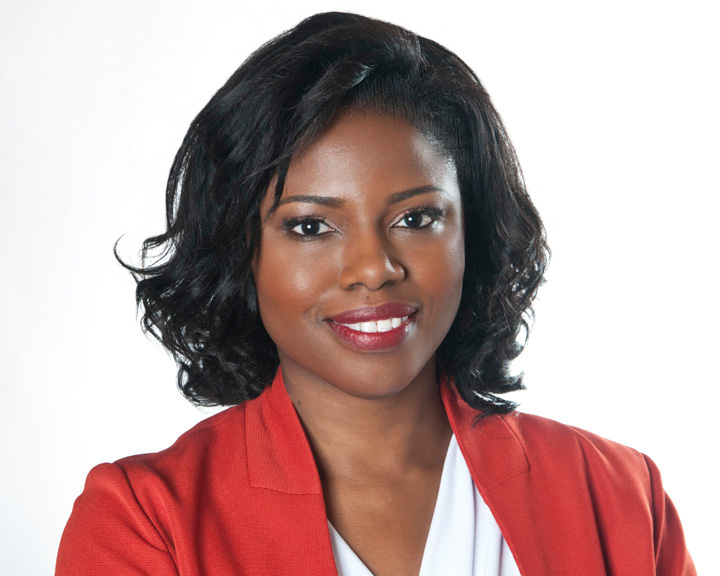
(374, 328)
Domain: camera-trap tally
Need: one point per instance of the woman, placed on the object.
(350, 260)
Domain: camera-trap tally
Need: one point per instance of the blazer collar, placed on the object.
(278, 452)
(279, 455)
(492, 451)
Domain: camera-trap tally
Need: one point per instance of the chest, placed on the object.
(385, 523)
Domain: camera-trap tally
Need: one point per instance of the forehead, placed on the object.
(360, 149)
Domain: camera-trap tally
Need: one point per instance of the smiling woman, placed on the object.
(349, 262)
(368, 232)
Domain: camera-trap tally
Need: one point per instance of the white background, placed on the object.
(613, 108)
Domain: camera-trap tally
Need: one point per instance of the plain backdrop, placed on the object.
(612, 107)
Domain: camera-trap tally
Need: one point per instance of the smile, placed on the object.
(378, 326)
(375, 328)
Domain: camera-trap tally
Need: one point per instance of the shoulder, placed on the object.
(194, 451)
(163, 480)
(563, 449)
(578, 474)
(550, 435)
(196, 458)
(543, 451)
(146, 502)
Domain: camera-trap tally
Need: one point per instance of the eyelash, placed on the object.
(431, 212)
(289, 225)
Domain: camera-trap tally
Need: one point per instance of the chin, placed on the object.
(377, 382)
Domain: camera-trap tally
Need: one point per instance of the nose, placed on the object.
(368, 261)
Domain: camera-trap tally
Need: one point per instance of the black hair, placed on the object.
(198, 296)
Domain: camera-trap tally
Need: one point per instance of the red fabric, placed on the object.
(240, 494)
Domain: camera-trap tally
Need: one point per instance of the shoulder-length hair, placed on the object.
(198, 297)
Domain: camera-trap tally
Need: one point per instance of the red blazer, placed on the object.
(240, 494)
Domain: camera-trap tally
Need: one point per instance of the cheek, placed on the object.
(443, 266)
(455, 255)
(438, 269)
(287, 286)
(447, 280)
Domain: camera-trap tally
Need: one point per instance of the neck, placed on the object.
(354, 437)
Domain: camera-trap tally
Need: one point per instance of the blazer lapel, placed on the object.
(282, 469)
(537, 501)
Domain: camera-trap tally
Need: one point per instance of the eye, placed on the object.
(308, 227)
(415, 219)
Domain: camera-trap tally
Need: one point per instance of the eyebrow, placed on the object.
(332, 202)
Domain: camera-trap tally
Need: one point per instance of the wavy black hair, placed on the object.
(197, 292)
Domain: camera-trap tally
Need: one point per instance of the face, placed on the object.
(359, 271)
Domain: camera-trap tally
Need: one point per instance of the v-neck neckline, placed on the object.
(351, 563)
(464, 538)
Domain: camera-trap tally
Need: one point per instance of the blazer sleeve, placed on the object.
(109, 532)
(671, 555)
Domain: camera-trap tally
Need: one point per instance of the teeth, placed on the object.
(379, 326)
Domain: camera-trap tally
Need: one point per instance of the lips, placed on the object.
(374, 313)
(374, 328)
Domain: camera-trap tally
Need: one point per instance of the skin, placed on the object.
(374, 419)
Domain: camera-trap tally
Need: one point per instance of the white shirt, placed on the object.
(464, 539)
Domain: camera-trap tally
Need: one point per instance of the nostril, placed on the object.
(372, 276)
(370, 268)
